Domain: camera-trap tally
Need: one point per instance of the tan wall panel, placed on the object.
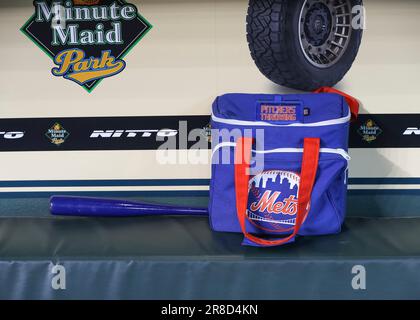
(196, 50)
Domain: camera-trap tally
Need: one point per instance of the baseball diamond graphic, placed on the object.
(128, 32)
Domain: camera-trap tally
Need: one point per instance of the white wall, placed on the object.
(196, 50)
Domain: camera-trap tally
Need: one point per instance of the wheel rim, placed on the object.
(325, 31)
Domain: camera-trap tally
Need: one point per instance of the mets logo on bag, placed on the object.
(86, 39)
(273, 200)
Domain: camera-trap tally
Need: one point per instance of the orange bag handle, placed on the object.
(351, 101)
(307, 180)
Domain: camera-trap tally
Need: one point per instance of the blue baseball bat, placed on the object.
(101, 207)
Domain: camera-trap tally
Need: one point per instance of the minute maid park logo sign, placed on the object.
(87, 39)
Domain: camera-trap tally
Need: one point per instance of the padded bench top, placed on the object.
(181, 258)
(180, 237)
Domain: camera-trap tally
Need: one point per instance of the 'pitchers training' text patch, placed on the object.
(279, 112)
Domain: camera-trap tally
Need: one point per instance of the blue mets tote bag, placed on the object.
(279, 164)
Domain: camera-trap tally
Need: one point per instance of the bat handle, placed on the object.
(100, 207)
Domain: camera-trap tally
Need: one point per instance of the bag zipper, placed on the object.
(235, 122)
(340, 152)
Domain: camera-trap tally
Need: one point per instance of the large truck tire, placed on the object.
(304, 44)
